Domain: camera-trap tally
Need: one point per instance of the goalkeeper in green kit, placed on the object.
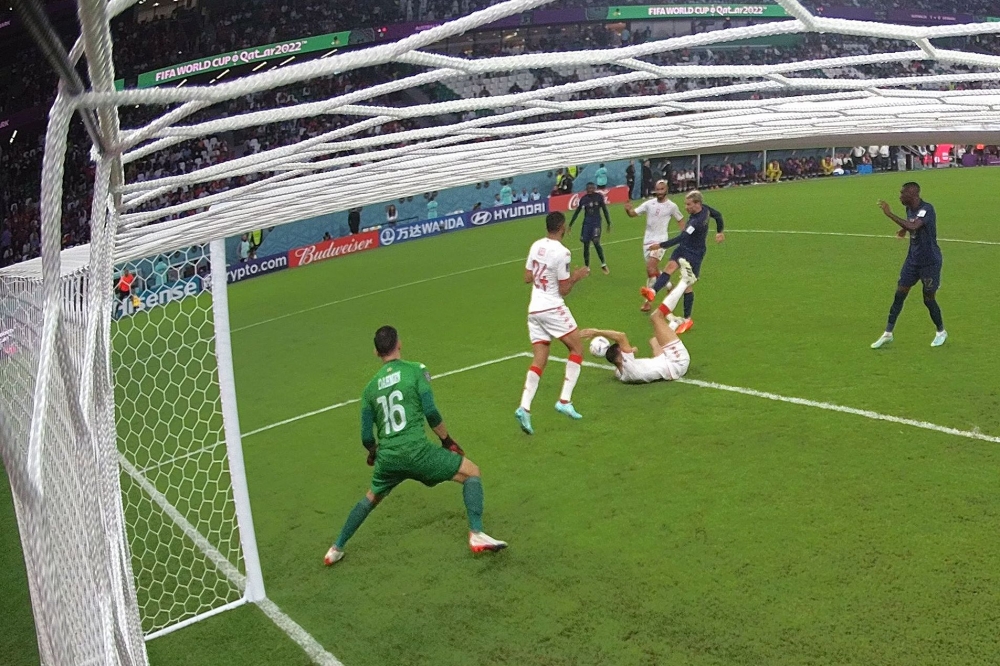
(394, 406)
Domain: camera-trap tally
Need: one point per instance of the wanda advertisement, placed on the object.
(567, 202)
(331, 249)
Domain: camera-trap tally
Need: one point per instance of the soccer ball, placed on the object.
(599, 346)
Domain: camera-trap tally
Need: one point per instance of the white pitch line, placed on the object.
(399, 286)
(292, 629)
(338, 405)
(614, 242)
(851, 235)
(828, 406)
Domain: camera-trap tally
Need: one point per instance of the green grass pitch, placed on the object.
(673, 524)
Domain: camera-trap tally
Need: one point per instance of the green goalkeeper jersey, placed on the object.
(395, 404)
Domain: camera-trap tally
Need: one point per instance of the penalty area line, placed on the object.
(828, 406)
(802, 232)
(338, 405)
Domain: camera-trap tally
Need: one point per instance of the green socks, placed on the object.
(358, 515)
(472, 493)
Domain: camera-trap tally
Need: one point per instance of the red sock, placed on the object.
(664, 309)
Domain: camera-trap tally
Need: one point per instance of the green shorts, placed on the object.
(419, 460)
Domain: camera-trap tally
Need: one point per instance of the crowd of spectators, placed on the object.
(216, 26)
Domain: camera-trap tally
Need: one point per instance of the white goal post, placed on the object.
(119, 423)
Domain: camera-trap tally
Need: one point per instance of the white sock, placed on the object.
(572, 374)
(674, 297)
(649, 282)
(674, 323)
(530, 386)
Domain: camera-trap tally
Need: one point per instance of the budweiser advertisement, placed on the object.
(331, 249)
(612, 195)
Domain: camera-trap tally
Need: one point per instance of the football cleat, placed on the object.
(939, 338)
(647, 293)
(885, 339)
(567, 409)
(604, 269)
(481, 542)
(684, 326)
(333, 556)
(523, 417)
(687, 273)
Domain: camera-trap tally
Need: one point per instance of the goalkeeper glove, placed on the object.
(452, 445)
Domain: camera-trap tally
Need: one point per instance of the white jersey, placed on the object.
(658, 219)
(548, 262)
(671, 364)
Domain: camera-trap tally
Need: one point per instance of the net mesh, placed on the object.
(67, 499)
(178, 498)
(86, 459)
(855, 99)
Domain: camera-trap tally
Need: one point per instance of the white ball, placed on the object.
(599, 346)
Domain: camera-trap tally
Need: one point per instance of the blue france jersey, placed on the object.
(692, 237)
(592, 205)
(923, 242)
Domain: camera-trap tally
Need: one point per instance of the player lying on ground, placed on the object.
(394, 405)
(670, 358)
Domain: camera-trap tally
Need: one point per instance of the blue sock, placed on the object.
(895, 309)
(661, 282)
(935, 311)
(688, 304)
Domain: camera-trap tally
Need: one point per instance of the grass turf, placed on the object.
(674, 524)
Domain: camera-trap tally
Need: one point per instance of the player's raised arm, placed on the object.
(907, 225)
(617, 337)
(631, 212)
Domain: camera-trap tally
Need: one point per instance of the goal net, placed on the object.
(119, 421)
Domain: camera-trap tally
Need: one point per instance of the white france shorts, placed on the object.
(555, 323)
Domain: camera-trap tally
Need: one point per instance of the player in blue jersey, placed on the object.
(592, 204)
(923, 261)
(691, 245)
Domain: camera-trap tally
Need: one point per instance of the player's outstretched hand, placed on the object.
(371, 456)
(720, 237)
(654, 247)
(628, 207)
(588, 333)
(885, 207)
(581, 273)
(901, 233)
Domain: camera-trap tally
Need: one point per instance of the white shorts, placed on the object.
(548, 324)
(647, 253)
(676, 359)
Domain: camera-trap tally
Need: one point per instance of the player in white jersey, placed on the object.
(547, 270)
(658, 212)
(670, 358)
